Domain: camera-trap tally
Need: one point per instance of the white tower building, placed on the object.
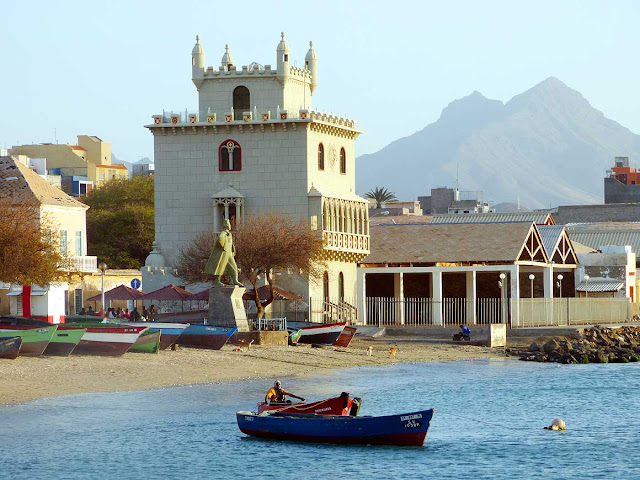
(254, 145)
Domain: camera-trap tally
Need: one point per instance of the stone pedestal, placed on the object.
(226, 308)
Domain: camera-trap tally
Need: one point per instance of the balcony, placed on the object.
(85, 264)
(346, 242)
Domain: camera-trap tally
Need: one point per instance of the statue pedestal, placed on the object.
(226, 308)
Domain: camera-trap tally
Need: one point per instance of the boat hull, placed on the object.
(345, 337)
(10, 347)
(169, 332)
(64, 342)
(199, 335)
(408, 429)
(107, 340)
(148, 342)
(34, 339)
(322, 334)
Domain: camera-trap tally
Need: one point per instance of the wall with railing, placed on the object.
(537, 312)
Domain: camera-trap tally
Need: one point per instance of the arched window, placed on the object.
(325, 287)
(230, 156)
(320, 157)
(343, 161)
(241, 102)
(341, 287)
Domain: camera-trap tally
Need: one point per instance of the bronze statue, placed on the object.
(222, 261)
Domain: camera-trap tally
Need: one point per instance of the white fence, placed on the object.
(537, 312)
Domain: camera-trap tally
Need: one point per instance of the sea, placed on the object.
(488, 424)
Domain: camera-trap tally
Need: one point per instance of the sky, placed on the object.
(105, 67)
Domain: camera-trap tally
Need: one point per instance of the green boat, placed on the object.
(64, 342)
(294, 336)
(34, 339)
(147, 342)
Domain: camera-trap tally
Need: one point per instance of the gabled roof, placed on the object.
(228, 192)
(24, 185)
(453, 243)
(539, 218)
(121, 292)
(170, 292)
(557, 244)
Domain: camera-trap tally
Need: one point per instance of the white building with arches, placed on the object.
(254, 145)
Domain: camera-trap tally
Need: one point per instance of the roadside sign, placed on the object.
(135, 283)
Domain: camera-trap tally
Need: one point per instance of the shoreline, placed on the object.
(31, 378)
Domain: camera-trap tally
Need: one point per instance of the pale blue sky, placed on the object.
(103, 68)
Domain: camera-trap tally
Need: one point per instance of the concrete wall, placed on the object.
(613, 212)
(71, 220)
(618, 192)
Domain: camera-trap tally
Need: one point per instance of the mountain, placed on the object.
(508, 207)
(143, 161)
(548, 146)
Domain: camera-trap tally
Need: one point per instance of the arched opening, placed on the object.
(230, 156)
(241, 101)
(343, 161)
(341, 287)
(320, 157)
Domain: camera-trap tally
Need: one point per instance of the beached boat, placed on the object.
(10, 347)
(63, 342)
(407, 429)
(147, 342)
(294, 336)
(34, 339)
(202, 335)
(105, 339)
(321, 333)
(342, 405)
(170, 332)
(345, 337)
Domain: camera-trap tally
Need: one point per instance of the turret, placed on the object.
(311, 64)
(283, 60)
(197, 63)
(227, 59)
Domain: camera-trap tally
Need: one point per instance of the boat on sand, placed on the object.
(63, 342)
(34, 339)
(10, 347)
(203, 335)
(317, 333)
(105, 339)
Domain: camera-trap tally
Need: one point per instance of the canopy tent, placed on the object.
(121, 292)
(170, 292)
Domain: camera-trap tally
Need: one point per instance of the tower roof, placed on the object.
(197, 48)
(283, 46)
(227, 59)
(311, 54)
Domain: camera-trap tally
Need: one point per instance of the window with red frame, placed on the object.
(320, 157)
(343, 161)
(230, 156)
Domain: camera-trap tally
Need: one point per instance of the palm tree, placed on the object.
(381, 195)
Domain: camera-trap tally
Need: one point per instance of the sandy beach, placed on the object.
(31, 378)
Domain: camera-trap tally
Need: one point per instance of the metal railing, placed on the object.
(85, 263)
(268, 324)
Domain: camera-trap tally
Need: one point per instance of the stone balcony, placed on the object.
(84, 264)
(349, 243)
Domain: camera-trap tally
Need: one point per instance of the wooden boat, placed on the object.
(34, 339)
(345, 337)
(321, 333)
(342, 405)
(407, 429)
(10, 347)
(202, 335)
(294, 336)
(105, 339)
(64, 342)
(147, 342)
(170, 332)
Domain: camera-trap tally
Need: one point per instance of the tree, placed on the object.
(381, 195)
(120, 222)
(264, 243)
(29, 251)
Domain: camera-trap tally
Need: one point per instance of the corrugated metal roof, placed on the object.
(600, 286)
(550, 234)
(539, 218)
(601, 237)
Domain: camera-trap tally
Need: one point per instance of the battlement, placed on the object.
(255, 70)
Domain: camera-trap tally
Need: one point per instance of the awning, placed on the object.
(37, 293)
(14, 294)
(600, 286)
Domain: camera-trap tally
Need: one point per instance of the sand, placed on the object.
(31, 378)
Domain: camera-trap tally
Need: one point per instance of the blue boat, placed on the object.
(203, 335)
(407, 429)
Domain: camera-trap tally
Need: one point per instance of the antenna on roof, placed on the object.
(55, 135)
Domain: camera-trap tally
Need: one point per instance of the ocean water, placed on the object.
(487, 425)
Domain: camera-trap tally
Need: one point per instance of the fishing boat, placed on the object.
(10, 347)
(321, 333)
(34, 339)
(407, 429)
(294, 336)
(345, 337)
(105, 339)
(63, 342)
(342, 405)
(202, 335)
(147, 342)
(169, 331)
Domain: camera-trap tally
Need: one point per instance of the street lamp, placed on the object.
(503, 297)
(103, 267)
(531, 277)
(560, 277)
(586, 286)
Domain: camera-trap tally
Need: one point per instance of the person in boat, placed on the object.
(464, 334)
(277, 395)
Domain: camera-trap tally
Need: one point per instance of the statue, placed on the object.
(222, 261)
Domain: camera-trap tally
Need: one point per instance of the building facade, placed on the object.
(255, 145)
(622, 183)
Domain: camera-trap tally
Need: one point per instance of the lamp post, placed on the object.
(531, 277)
(102, 267)
(586, 286)
(560, 277)
(503, 297)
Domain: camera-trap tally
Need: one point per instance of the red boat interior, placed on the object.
(342, 405)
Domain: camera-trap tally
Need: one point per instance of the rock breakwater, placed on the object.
(595, 345)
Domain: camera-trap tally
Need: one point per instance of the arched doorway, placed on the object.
(241, 102)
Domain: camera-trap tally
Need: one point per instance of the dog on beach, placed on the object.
(392, 352)
(244, 344)
(369, 351)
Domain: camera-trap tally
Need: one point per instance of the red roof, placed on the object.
(76, 147)
(170, 292)
(203, 295)
(265, 294)
(121, 292)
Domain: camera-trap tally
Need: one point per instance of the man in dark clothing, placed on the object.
(135, 315)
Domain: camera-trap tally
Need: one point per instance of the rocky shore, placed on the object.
(595, 345)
